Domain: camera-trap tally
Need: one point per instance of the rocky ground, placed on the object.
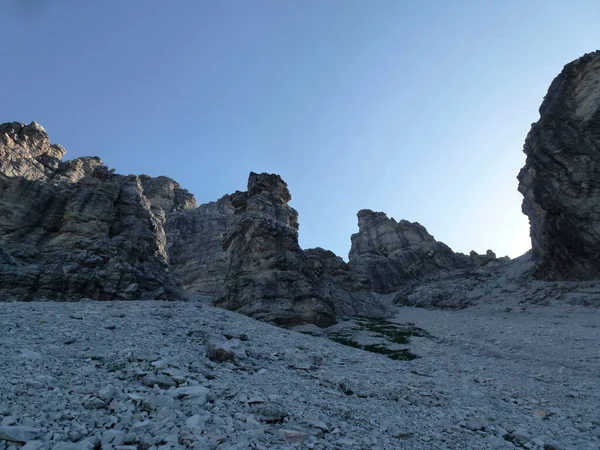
(136, 375)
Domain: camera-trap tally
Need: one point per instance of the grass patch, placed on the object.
(344, 340)
(390, 330)
(403, 354)
(398, 355)
(310, 333)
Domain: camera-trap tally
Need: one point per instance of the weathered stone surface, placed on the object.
(268, 276)
(165, 194)
(75, 229)
(196, 255)
(348, 292)
(560, 182)
(18, 433)
(392, 254)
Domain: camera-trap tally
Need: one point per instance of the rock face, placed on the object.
(348, 292)
(75, 229)
(561, 178)
(269, 277)
(196, 255)
(391, 254)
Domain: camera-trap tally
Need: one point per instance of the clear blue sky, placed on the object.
(415, 108)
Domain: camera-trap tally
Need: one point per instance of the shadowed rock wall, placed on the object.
(560, 182)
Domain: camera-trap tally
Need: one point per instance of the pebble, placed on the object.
(147, 383)
(17, 433)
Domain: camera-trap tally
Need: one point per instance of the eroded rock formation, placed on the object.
(561, 178)
(269, 277)
(75, 229)
(391, 254)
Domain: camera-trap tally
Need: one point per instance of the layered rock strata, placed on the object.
(391, 254)
(196, 255)
(560, 182)
(75, 229)
(269, 277)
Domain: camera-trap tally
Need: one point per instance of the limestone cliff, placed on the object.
(268, 276)
(196, 255)
(75, 229)
(391, 254)
(561, 178)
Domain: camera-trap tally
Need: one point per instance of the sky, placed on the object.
(417, 109)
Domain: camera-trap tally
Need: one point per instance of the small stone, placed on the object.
(538, 441)
(521, 435)
(195, 422)
(216, 439)
(318, 424)
(107, 393)
(158, 379)
(584, 427)
(33, 445)
(219, 352)
(30, 354)
(9, 420)
(94, 403)
(292, 436)
(135, 396)
(18, 433)
(244, 337)
(72, 446)
(114, 437)
(191, 391)
(476, 423)
(268, 413)
(161, 363)
(178, 375)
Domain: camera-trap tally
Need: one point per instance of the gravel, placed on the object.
(136, 375)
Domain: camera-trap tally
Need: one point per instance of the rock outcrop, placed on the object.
(560, 182)
(269, 277)
(75, 229)
(391, 254)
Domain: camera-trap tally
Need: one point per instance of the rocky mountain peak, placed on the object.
(25, 150)
(31, 136)
(270, 184)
